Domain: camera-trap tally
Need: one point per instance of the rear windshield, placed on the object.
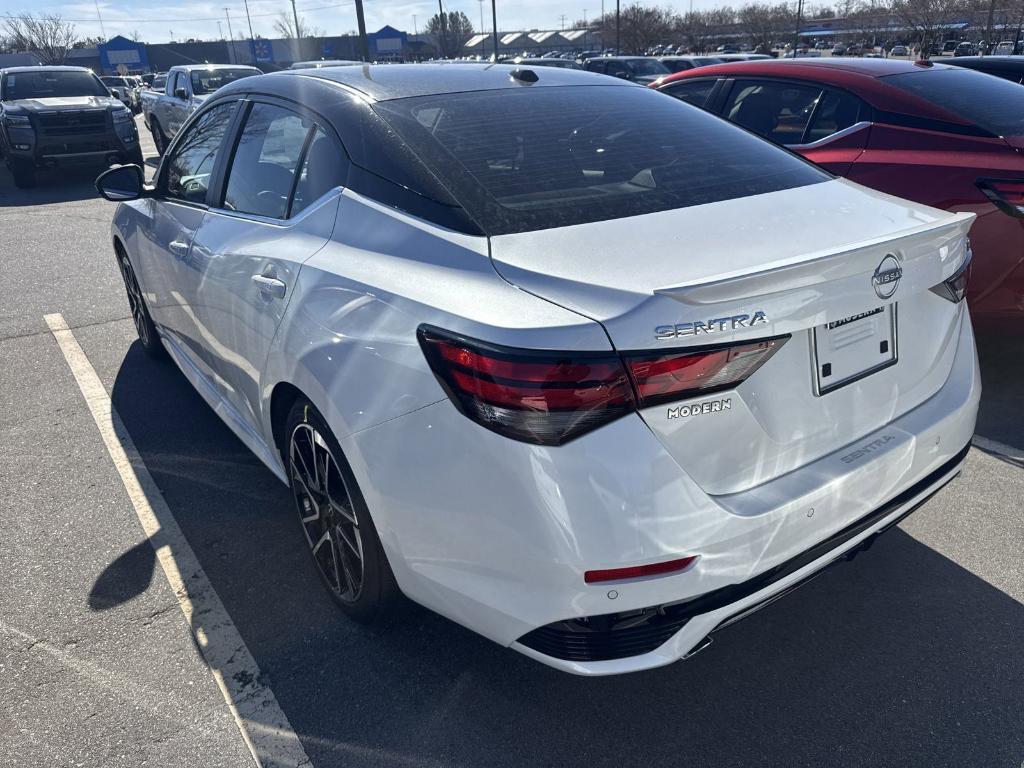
(522, 160)
(49, 84)
(206, 81)
(991, 103)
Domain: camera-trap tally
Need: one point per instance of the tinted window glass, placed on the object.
(992, 103)
(323, 170)
(191, 164)
(694, 92)
(644, 67)
(180, 81)
(520, 160)
(209, 80)
(50, 84)
(777, 111)
(263, 169)
(835, 112)
(678, 65)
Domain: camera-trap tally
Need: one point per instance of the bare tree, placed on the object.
(765, 24)
(47, 35)
(284, 25)
(928, 18)
(451, 32)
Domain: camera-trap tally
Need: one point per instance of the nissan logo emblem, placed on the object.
(887, 277)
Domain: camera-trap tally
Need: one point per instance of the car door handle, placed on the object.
(178, 248)
(270, 286)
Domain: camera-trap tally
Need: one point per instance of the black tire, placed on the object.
(323, 514)
(24, 173)
(159, 139)
(148, 336)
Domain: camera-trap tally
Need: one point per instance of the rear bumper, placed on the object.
(497, 535)
(688, 626)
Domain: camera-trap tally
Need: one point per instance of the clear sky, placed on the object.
(160, 21)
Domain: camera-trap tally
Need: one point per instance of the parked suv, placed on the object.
(61, 115)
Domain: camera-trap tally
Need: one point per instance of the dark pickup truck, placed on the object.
(59, 116)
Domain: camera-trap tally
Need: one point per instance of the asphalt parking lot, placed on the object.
(908, 655)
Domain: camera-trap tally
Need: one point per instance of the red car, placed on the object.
(944, 136)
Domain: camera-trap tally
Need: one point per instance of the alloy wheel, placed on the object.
(328, 516)
(135, 301)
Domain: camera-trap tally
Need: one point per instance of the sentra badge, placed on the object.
(716, 325)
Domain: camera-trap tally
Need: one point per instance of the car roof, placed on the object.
(43, 68)
(866, 78)
(382, 82)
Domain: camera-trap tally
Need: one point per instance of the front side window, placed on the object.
(206, 81)
(265, 163)
(994, 104)
(50, 84)
(778, 111)
(191, 164)
(521, 160)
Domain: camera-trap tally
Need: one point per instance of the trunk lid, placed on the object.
(802, 257)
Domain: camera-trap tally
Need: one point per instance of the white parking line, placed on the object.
(262, 723)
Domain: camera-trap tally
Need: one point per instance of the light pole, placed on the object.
(796, 34)
(481, 16)
(231, 38)
(99, 16)
(252, 45)
(364, 46)
(494, 27)
(618, 29)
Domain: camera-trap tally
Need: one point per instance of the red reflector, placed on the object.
(636, 571)
(677, 375)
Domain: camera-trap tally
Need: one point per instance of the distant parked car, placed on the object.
(728, 48)
(936, 134)
(638, 69)
(125, 90)
(839, 50)
(899, 50)
(965, 49)
(683, 63)
(1005, 48)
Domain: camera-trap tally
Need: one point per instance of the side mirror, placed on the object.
(126, 182)
(180, 93)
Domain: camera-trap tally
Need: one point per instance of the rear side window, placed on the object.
(521, 160)
(694, 92)
(994, 104)
(323, 169)
(836, 111)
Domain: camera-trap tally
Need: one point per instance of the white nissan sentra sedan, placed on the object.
(575, 364)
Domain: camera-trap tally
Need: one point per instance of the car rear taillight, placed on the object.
(1007, 194)
(538, 397)
(550, 398)
(662, 377)
(954, 288)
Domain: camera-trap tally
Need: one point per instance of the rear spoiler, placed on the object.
(807, 270)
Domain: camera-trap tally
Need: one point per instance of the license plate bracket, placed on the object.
(854, 347)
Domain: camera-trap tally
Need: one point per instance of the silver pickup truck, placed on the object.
(187, 87)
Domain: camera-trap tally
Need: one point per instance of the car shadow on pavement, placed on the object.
(898, 657)
(1001, 355)
(53, 185)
